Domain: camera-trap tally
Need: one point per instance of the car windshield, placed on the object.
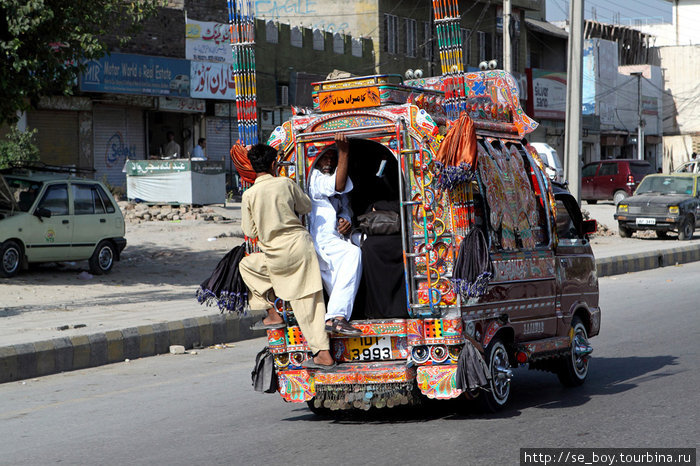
(23, 191)
(667, 185)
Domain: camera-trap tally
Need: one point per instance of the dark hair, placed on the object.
(201, 140)
(261, 157)
(170, 133)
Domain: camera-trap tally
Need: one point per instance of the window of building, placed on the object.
(296, 37)
(499, 50)
(318, 39)
(411, 32)
(466, 47)
(356, 47)
(427, 44)
(391, 33)
(515, 57)
(484, 42)
(338, 43)
(271, 32)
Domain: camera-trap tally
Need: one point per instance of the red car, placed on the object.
(612, 179)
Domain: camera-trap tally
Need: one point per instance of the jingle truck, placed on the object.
(535, 305)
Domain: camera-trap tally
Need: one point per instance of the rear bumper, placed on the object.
(121, 244)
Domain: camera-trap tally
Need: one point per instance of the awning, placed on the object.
(544, 27)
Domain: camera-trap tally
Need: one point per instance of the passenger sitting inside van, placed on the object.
(331, 222)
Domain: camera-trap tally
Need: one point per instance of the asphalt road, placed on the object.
(642, 391)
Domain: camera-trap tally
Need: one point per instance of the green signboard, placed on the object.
(156, 167)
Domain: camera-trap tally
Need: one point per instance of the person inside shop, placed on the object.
(330, 224)
(198, 152)
(287, 264)
(171, 150)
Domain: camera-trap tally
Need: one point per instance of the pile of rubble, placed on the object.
(137, 213)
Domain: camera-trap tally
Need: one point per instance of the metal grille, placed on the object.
(650, 210)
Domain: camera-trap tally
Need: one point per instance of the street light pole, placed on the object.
(574, 77)
(507, 59)
(640, 122)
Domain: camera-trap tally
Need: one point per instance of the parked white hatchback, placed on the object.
(48, 217)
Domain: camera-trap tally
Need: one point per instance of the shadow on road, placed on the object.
(530, 389)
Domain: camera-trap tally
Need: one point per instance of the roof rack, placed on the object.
(17, 168)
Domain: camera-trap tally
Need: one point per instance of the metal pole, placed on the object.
(507, 60)
(640, 131)
(574, 75)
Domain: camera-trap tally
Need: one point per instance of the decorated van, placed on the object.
(491, 265)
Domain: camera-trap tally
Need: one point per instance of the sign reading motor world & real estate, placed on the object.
(121, 73)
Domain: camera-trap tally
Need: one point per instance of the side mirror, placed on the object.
(589, 226)
(42, 213)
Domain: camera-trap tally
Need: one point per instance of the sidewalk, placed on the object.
(148, 304)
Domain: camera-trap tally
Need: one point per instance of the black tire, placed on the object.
(624, 231)
(592, 201)
(686, 229)
(322, 412)
(661, 234)
(10, 258)
(103, 258)
(496, 397)
(574, 369)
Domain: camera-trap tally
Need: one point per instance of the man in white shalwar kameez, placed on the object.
(331, 221)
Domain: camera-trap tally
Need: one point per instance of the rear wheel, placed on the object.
(318, 410)
(624, 231)
(574, 369)
(103, 258)
(661, 234)
(10, 258)
(686, 229)
(592, 201)
(497, 396)
(618, 196)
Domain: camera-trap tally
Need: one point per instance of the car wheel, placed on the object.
(618, 196)
(318, 410)
(574, 368)
(497, 395)
(103, 258)
(661, 234)
(592, 201)
(10, 258)
(686, 229)
(624, 231)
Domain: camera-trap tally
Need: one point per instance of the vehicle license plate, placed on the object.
(646, 221)
(369, 348)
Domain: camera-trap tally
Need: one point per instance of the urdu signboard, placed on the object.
(121, 73)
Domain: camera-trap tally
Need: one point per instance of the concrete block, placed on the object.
(191, 327)
(45, 357)
(8, 364)
(206, 332)
(26, 361)
(161, 338)
(131, 343)
(81, 351)
(63, 349)
(177, 349)
(233, 325)
(177, 333)
(147, 342)
(218, 328)
(115, 346)
(98, 349)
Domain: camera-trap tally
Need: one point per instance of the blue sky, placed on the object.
(648, 11)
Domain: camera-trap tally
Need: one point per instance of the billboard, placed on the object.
(547, 92)
(206, 41)
(121, 73)
(212, 81)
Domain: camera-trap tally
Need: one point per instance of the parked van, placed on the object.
(612, 179)
(534, 303)
(550, 159)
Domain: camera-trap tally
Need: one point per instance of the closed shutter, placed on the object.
(222, 133)
(57, 136)
(119, 135)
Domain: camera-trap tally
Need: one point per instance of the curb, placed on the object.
(28, 360)
(647, 260)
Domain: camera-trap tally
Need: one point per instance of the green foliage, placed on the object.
(43, 44)
(18, 148)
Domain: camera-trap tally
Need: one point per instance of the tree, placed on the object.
(18, 148)
(44, 44)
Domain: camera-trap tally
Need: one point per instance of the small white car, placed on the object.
(52, 218)
(550, 158)
(689, 167)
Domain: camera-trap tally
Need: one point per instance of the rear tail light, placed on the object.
(630, 179)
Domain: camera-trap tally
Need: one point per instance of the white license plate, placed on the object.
(369, 348)
(646, 221)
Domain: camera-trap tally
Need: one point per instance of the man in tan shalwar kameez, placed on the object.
(288, 265)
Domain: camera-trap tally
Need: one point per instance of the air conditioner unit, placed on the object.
(284, 96)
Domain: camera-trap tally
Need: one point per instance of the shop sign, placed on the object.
(155, 167)
(212, 81)
(121, 73)
(206, 41)
(650, 105)
(175, 104)
(548, 97)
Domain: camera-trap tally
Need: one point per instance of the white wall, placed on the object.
(682, 85)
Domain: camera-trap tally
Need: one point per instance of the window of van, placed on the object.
(589, 170)
(608, 169)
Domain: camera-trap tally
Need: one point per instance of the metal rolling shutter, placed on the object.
(57, 136)
(119, 135)
(219, 141)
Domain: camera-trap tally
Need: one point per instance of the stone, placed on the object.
(177, 349)
(146, 216)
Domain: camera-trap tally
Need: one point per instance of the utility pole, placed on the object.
(640, 121)
(507, 60)
(574, 77)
